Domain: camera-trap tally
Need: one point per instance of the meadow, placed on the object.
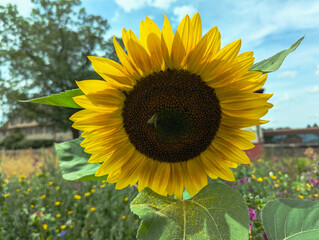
(37, 203)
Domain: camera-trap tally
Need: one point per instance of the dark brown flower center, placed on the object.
(171, 116)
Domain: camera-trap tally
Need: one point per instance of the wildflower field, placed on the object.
(37, 203)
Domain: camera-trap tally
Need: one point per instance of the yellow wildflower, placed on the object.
(259, 179)
(63, 227)
(92, 209)
(298, 189)
(276, 185)
(70, 212)
(301, 197)
(253, 176)
(102, 185)
(92, 190)
(57, 203)
(273, 176)
(76, 196)
(45, 226)
(29, 189)
(18, 190)
(6, 195)
(43, 196)
(125, 199)
(58, 215)
(57, 188)
(123, 217)
(87, 194)
(31, 206)
(50, 183)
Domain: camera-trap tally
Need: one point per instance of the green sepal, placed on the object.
(273, 63)
(73, 161)
(63, 99)
(293, 219)
(216, 212)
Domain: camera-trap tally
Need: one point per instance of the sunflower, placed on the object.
(171, 114)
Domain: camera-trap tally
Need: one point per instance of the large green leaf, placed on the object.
(74, 163)
(273, 63)
(216, 212)
(63, 99)
(293, 219)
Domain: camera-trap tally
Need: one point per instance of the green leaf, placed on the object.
(63, 99)
(293, 219)
(273, 63)
(74, 163)
(216, 212)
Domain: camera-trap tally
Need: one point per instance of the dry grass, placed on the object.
(26, 162)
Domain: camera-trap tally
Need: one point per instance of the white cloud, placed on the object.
(180, 12)
(314, 89)
(163, 4)
(317, 71)
(284, 98)
(115, 17)
(129, 5)
(260, 19)
(287, 74)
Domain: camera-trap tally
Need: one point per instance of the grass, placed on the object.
(37, 203)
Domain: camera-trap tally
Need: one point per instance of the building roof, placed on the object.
(291, 131)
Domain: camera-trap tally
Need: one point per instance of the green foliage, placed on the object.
(27, 143)
(293, 219)
(11, 141)
(63, 99)
(273, 63)
(28, 204)
(44, 55)
(216, 212)
(74, 163)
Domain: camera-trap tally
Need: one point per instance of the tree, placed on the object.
(45, 53)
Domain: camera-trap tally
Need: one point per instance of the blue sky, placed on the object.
(265, 27)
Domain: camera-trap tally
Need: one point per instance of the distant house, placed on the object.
(301, 136)
(33, 131)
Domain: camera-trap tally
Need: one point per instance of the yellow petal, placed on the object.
(139, 55)
(206, 48)
(161, 178)
(126, 62)
(241, 122)
(196, 30)
(230, 152)
(92, 86)
(148, 28)
(111, 71)
(181, 42)
(167, 34)
(230, 51)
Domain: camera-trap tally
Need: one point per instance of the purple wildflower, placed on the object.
(252, 214)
